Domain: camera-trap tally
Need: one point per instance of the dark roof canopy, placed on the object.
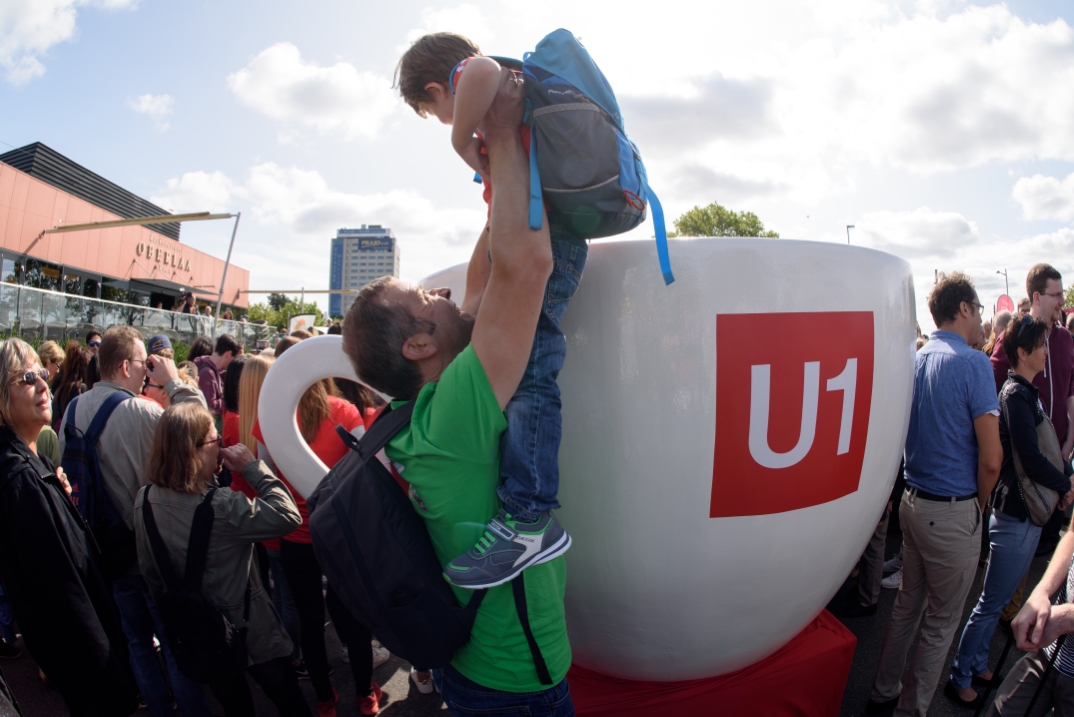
(48, 165)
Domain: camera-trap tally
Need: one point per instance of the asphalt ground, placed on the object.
(401, 698)
(870, 634)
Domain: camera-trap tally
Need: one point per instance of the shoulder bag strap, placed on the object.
(197, 552)
(160, 552)
(387, 425)
(70, 427)
(518, 585)
(96, 427)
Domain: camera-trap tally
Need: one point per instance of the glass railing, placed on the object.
(49, 315)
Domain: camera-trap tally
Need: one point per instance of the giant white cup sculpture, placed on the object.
(729, 441)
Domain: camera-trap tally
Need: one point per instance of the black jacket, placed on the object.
(1023, 407)
(63, 605)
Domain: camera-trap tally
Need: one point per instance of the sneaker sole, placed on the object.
(552, 553)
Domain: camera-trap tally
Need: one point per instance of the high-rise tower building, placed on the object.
(358, 257)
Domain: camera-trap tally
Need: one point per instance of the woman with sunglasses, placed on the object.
(62, 603)
(1012, 535)
(182, 467)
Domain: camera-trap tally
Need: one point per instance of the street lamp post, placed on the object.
(1006, 286)
(849, 227)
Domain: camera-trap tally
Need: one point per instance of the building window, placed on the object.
(114, 290)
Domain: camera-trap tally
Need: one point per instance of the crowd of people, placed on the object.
(148, 490)
(986, 479)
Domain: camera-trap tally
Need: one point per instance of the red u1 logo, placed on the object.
(792, 409)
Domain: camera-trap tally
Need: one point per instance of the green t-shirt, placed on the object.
(450, 454)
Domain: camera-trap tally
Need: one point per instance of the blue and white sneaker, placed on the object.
(506, 549)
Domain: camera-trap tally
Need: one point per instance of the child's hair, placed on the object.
(430, 59)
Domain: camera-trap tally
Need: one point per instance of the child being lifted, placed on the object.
(445, 75)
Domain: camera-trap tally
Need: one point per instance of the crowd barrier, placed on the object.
(49, 315)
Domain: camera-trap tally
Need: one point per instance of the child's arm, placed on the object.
(474, 93)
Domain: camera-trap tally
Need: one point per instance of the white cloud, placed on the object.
(156, 106)
(1045, 197)
(338, 100)
(465, 19)
(296, 212)
(28, 28)
(918, 233)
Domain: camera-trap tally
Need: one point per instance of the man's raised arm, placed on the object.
(521, 257)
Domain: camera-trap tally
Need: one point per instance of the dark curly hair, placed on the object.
(1025, 333)
(947, 296)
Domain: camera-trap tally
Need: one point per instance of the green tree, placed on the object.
(277, 312)
(716, 220)
(1069, 303)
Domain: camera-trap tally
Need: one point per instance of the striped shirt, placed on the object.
(1065, 663)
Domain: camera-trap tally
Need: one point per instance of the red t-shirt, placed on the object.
(230, 434)
(327, 446)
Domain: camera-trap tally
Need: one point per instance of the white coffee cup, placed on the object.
(658, 588)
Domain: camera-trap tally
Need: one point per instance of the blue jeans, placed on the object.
(1013, 543)
(141, 620)
(465, 697)
(284, 602)
(529, 448)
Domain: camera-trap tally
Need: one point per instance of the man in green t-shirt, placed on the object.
(461, 371)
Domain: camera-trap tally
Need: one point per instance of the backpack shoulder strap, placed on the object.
(518, 585)
(96, 427)
(70, 427)
(387, 425)
(197, 551)
(160, 552)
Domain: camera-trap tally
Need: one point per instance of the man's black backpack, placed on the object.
(206, 645)
(83, 470)
(378, 557)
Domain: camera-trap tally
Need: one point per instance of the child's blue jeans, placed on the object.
(529, 448)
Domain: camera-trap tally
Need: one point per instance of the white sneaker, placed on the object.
(425, 686)
(380, 656)
(893, 564)
(893, 581)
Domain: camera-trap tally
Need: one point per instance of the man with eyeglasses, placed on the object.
(123, 449)
(953, 456)
(1044, 287)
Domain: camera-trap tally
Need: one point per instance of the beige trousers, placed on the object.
(941, 545)
(1017, 690)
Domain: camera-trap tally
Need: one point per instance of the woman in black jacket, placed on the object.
(1012, 535)
(62, 604)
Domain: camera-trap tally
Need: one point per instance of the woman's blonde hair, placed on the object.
(15, 356)
(314, 408)
(173, 460)
(50, 351)
(253, 375)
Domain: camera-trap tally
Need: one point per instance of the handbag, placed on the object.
(1039, 500)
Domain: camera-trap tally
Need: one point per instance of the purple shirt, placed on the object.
(1057, 378)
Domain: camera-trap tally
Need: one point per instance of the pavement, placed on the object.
(870, 634)
(401, 698)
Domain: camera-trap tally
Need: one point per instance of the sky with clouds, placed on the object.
(942, 130)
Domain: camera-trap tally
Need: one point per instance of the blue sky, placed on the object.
(944, 131)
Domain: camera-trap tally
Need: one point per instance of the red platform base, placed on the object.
(805, 677)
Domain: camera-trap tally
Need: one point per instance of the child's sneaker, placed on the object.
(506, 549)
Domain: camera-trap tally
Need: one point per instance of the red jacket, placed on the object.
(211, 383)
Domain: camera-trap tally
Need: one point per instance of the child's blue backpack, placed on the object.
(592, 177)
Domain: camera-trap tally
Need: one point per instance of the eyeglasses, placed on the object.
(150, 384)
(209, 443)
(93, 344)
(30, 377)
(1056, 295)
(979, 307)
(1027, 320)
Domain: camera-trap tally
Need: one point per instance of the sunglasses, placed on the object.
(1027, 320)
(94, 344)
(209, 443)
(30, 377)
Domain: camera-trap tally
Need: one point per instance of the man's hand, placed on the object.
(1029, 624)
(237, 457)
(161, 369)
(62, 478)
(508, 107)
